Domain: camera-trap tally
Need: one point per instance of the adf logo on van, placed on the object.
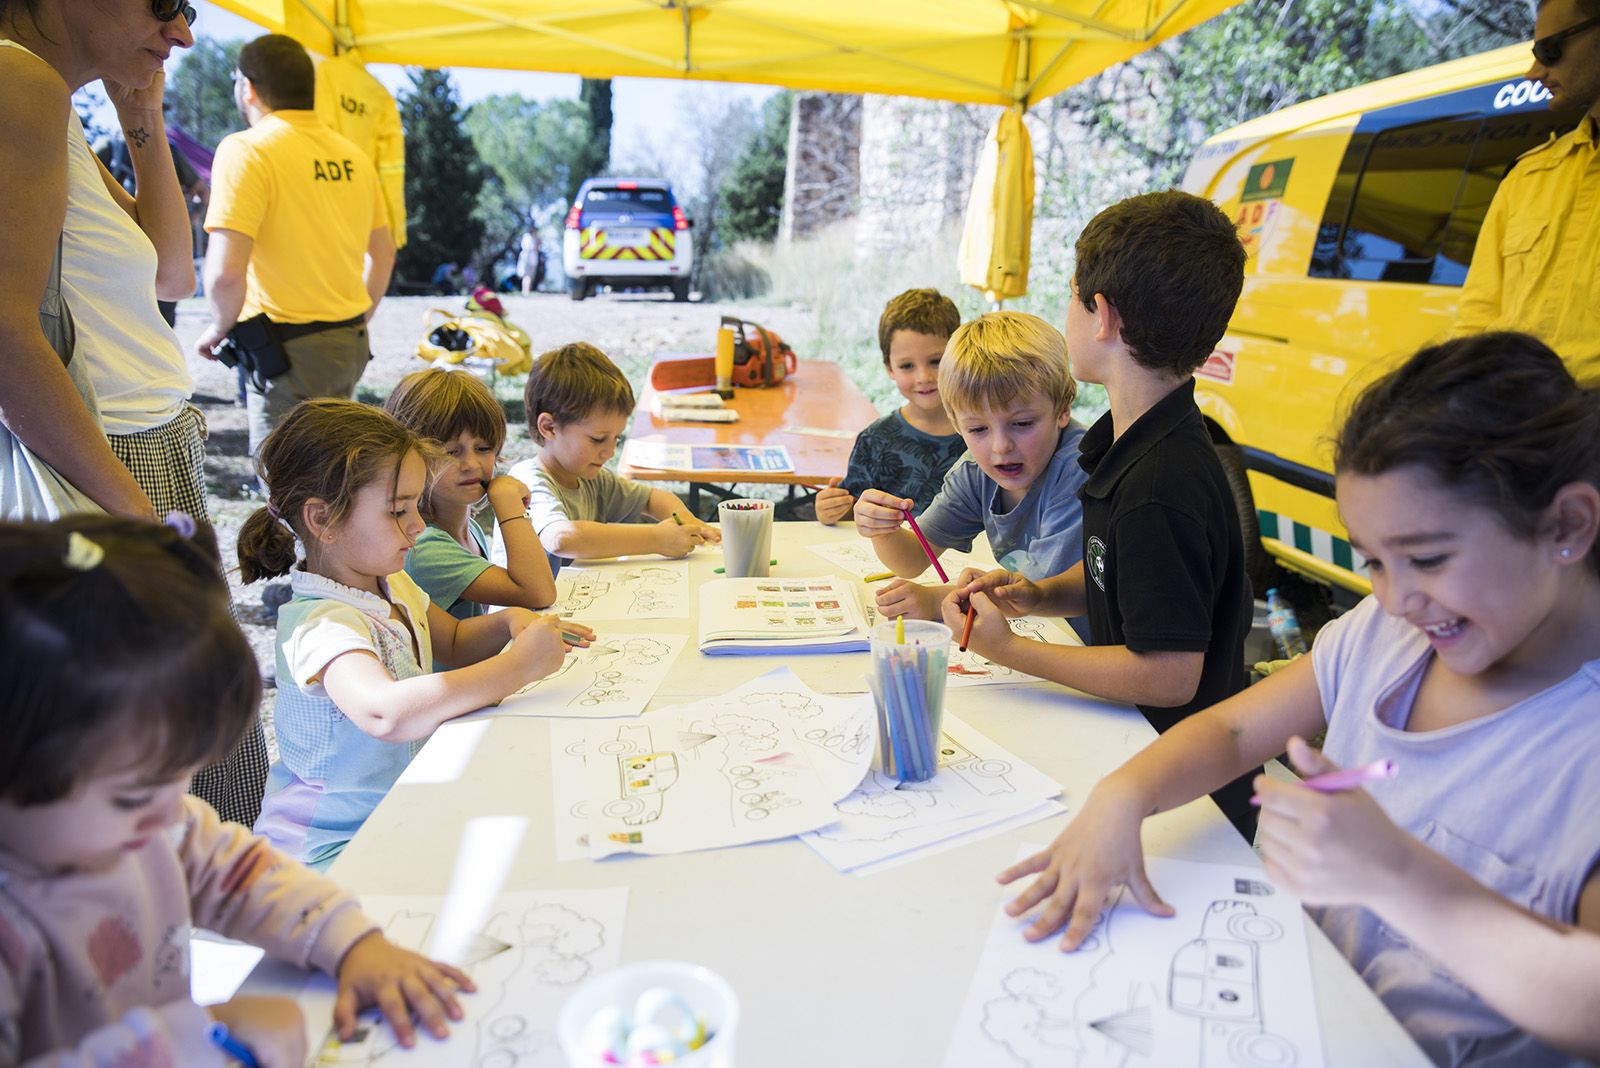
(1097, 562)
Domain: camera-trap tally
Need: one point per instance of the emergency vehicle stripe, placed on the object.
(1319, 543)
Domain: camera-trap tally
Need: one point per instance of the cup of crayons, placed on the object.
(910, 660)
(650, 1013)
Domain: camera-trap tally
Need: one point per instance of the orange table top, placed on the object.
(819, 395)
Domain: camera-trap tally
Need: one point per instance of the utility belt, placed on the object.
(257, 345)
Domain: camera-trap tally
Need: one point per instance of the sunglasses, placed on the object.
(1547, 50)
(167, 10)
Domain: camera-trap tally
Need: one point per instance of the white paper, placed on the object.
(764, 761)
(615, 676)
(972, 829)
(569, 785)
(979, 783)
(526, 954)
(970, 669)
(857, 558)
(623, 589)
(1226, 983)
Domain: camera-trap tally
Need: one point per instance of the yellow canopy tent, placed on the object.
(1006, 52)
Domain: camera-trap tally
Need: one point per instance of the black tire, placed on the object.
(1263, 570)
(680, 290)
(578, 288)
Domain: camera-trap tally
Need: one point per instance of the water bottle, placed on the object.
(1284, 626)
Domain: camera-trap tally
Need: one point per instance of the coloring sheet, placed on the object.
(526, 954)
(1226, 983)
(615, 676)
(857, 558)
(629, 588)
(979, 783)
(970, 669)
(766, 760)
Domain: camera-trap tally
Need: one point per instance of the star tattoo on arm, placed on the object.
(138, 135)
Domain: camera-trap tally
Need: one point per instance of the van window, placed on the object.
(1413, 189)
(613, 199)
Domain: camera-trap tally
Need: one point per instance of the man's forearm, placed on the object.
(378, 267)
(225, 298)
(159, 206)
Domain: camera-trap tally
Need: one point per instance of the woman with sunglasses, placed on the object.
(1534, 268)
(117, 424)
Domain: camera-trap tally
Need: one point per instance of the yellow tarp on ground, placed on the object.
(981, 51)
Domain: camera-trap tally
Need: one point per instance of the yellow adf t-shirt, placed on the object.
(309, 199)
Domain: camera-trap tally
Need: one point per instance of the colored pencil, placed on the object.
(966, 632)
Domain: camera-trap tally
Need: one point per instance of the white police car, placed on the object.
(627, 232)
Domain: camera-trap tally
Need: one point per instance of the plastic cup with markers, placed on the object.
(910, 660)
(648, 1014)
(746, 537)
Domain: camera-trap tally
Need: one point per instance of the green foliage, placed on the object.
(200, 91)
(752, 196)
(595, 96)
(443, 178)
(540, 151)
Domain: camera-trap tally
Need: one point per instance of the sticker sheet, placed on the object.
(629, 588)
(615, 676)
(525, 950)
(1225, 983)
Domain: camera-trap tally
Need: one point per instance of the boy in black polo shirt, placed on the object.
(1162, 577)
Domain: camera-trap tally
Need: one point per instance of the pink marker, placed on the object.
(932, 559)
(1350, 778)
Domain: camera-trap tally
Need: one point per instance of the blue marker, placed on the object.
(224, 1040)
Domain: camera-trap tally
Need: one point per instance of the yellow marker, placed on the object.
(676, 519)
(899, 630)
(879, 577)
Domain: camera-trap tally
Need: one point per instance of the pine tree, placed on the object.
(200, 91)
(752, 197)
(595, 95)
(443, 177)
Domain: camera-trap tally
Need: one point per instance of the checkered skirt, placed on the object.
(168, 462)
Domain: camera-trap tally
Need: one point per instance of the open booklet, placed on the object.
(770, 615)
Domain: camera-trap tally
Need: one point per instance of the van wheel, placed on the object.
(680, 290)
(1264, 572)
(578, 288)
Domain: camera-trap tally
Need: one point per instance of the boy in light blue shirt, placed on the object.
(1005, 383)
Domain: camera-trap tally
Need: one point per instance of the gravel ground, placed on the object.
(628, 328)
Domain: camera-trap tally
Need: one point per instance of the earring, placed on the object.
(1566, 554)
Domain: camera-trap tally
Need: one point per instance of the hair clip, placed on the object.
(182, 522)
(82, 554)
(272, 510)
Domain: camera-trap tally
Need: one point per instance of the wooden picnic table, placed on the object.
(818, 396)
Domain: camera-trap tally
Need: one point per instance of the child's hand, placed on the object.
(567, 627)
(676, 538)
(1099, 851)
(709, 531)
(508, 496)
(272, 1028)
(399, 982)
(1327, 849)
(536, 646)
(902, 597)
(878, 513)
(832, 504)
(990, 631)
(1013, 593)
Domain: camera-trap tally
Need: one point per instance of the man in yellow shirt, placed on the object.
(300, 250)
(352, 101)
(1536, 267)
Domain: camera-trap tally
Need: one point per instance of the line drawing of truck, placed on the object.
(1216, 979)
(643, 775)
